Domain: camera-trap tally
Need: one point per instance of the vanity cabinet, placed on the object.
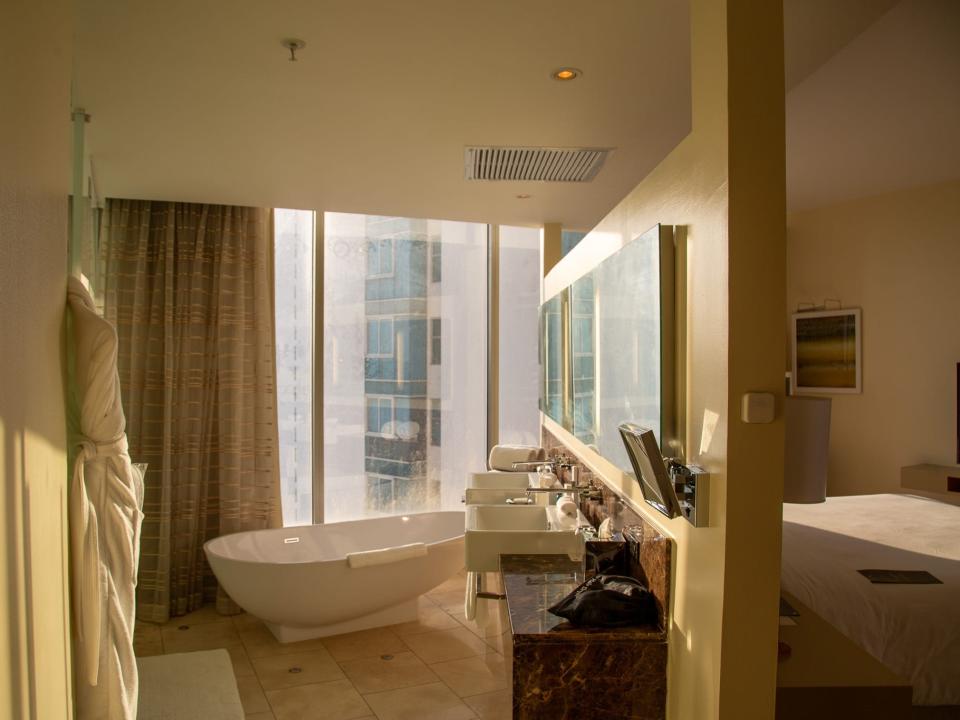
(562, 672)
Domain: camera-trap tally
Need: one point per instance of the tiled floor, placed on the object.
(438, 667)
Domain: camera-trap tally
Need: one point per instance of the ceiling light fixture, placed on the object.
(293, 44)
(566, 73)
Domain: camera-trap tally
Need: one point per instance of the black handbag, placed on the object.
(608, 601)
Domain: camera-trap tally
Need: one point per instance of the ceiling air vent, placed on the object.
(534, 163)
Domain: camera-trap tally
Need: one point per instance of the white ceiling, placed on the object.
(881, 114)
(196, 101)
(814, 30)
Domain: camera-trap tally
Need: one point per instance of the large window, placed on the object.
(294, 299)
(390, 285)
(403, 331)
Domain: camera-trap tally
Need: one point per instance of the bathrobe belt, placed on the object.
(89, 577)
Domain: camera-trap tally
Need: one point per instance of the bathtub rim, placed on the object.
(294, 563)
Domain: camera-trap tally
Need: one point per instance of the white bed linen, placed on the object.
(913, 629)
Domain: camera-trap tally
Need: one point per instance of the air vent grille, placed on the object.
(534, 163)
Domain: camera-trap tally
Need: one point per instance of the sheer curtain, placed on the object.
(190, 290)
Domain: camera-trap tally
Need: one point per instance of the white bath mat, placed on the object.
(188, 686)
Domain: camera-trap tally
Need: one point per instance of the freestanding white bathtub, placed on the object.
(298, 581)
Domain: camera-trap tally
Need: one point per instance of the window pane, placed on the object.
(519, 330)
(369, 474)
(386, 337)
(294, 262)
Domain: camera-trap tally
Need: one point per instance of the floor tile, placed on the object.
(497, 705)
(241, 663)
(251, 695)
(452, 600)
(245, 620)
(206, 636)
(282, 671)
(442, 645)
(389, 672)
(430, 618)
(205, 614)
(502, 643)
(454, 584)
(423, 702)
(488, 621)
(472, 676)
(337, 700)
(147, 639)
(364, 643)
(260, 642)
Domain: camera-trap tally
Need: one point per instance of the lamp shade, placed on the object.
(806, 450)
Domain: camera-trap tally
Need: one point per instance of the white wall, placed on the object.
(35, 42)
(897, 257)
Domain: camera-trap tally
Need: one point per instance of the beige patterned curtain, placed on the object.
(190, 290)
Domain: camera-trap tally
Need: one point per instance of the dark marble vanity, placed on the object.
(563, 672)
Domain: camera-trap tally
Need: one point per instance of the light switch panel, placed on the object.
(758, 407)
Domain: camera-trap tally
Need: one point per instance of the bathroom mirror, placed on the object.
(617, 361)
(552, 357)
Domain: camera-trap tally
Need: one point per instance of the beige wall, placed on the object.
(35, 167)
(897, 256)
(725, 185)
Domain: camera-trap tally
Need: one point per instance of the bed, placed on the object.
(913, 629)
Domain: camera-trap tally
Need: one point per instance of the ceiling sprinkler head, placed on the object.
(293, 44)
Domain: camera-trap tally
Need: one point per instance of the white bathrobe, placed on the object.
(106, 495)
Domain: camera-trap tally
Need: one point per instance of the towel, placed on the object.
(382, 556)
(567, 508)
(502, 457)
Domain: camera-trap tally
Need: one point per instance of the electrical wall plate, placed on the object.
(758, 407)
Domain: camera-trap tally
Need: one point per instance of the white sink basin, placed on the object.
(501, 480)
(494, 530)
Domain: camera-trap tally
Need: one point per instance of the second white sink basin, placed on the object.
(501, 480)
(492, 531)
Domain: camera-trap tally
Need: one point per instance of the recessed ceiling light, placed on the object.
(523, 196)
(566, 73)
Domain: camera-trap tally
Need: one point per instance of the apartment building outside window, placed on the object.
(400, 315)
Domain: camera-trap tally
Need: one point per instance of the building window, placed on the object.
(380, 415)
(435, 261)
(435, 422)
(435, 340)
(380, 257)
(380, 338)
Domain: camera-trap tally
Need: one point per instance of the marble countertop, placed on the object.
(532, 583)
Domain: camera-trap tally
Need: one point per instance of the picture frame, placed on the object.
(826, 350)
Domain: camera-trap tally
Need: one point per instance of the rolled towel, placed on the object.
(567, 508)
(382, 556)
(502, 457)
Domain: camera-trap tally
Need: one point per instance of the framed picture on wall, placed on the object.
(826, 351)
